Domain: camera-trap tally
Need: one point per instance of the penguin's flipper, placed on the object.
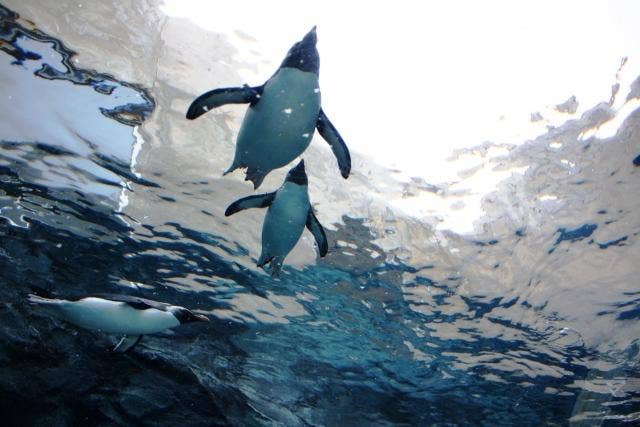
(318, 232)
(339, 148)
(217, 97)
(127, 343)
(257, 201)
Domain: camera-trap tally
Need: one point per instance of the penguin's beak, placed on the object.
(201, 318)
(297, 174)
(299, 169)
(311, 37)
(303, 55)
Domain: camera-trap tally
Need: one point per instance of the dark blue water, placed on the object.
(532, 321)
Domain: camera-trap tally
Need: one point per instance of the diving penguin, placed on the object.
(282, 116)
(117, 314)
(289, 211)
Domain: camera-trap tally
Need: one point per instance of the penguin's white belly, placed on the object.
(117, 317)
(285, 220)
(280, 126)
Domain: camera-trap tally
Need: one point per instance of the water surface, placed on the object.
(530, 319)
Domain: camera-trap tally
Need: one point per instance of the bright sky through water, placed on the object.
(408, 82)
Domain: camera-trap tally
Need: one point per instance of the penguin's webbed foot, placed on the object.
(275, 265)
(126, 343)
(233, 167)
(255, 176)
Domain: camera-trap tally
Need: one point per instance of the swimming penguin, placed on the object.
(282, 116)
(289, 211)
(117, 314)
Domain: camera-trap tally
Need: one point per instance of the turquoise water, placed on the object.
(533, 320)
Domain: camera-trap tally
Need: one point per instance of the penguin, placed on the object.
(116, 314)
(282, 116)
(289, 212)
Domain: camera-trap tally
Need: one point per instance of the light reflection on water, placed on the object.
(532, 318)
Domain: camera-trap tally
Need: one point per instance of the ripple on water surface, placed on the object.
(531, 321)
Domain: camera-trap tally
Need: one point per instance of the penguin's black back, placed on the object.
(135, 302)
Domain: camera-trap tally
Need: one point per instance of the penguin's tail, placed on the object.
(38, 300)
(264, 259)
(42, 292)
(41, 296)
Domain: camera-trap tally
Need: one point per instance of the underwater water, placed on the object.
(533, 318)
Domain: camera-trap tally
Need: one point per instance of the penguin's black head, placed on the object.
(185, 315)
(304, 55)
(297, 175)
